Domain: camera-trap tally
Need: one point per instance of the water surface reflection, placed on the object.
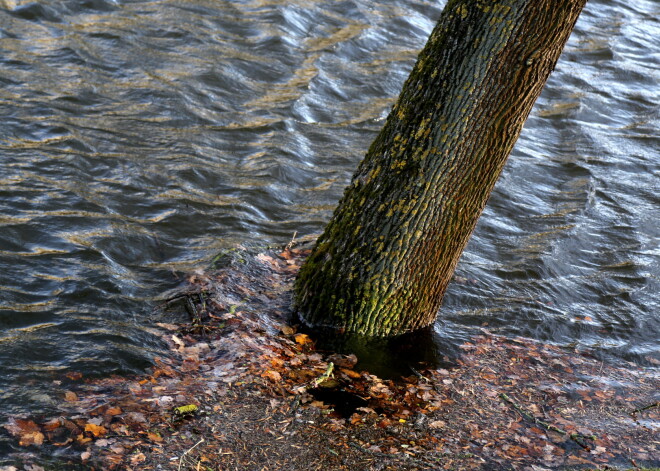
(140, 138)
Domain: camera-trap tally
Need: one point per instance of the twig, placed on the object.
(166, 302)
(314, 384)
(418, 374)
(576, 437)
(292, 241)
(642, 409)
(188, 451)
(192, 310)
(392, 456)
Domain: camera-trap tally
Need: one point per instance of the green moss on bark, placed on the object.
(384, 261)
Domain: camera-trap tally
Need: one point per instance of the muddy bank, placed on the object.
(243, 390)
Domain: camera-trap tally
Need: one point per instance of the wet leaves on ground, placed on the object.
(241, 389)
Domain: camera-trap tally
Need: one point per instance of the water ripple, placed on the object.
(141, 138)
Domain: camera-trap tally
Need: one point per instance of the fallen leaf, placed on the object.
(64, 443)
(136, 417)
(95, 421)
(343, 361)
(287, 330)
(97, 430)
(356, 419)
(113, 411)
(385, 423)
(178, 341)
(70, 396)
(32, 438)
(27, 432)
(52, 425)
(274, 376)
(351, 373)
(266, 259)
(155, 437)
(138, 458)
(329, 383)
(302, 339)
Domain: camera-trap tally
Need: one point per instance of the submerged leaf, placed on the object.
(97, 430)
(274, 376)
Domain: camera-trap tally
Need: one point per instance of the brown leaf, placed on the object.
(267, 259)
(155, 437)
(52, 425)
(65, 442)
(351, 373)
(27, 432)
(287, 330)
(274, 376)
(138, 458)
(97, 430)
(31, 438)
(329, 383)
(70, 396)
(113, 411)
(302, 339)
(385, 423)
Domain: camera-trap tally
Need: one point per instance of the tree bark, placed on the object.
(382, 265)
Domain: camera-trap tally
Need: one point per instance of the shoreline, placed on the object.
(242, 390)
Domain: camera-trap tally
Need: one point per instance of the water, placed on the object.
(140, 138)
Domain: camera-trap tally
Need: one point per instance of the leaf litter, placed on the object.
(242, 390)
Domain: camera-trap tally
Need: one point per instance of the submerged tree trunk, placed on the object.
(383, 263)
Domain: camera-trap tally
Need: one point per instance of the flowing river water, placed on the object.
(140, 138)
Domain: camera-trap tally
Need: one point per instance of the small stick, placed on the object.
(392, 456)
(418, 374)
(188, 451)
(314, 384)
(292, 241)
(642, 409)
(576, 437)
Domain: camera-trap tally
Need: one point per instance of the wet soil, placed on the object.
(241, 389)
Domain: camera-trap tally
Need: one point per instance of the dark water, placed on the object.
(140, 138)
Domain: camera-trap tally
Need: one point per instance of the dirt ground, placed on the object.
(242, 390)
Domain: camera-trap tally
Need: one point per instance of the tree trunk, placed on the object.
(383, 263)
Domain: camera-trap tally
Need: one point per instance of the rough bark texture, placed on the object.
(383, 263)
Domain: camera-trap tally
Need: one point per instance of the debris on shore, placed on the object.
(242, 390)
